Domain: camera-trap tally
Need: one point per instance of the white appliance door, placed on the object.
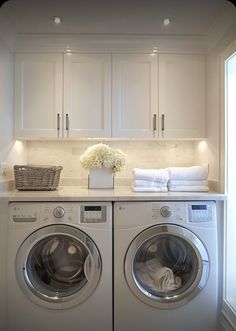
(166, 266)
(58, 266)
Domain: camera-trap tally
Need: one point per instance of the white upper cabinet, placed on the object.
(87, 95)
(134, 95)
(38, 94)
(181, 96)
(103, 95)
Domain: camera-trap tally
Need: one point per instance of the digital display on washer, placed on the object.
(92, 208)
(199, 207)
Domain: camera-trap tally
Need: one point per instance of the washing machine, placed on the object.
(165, 266)
(59, 266)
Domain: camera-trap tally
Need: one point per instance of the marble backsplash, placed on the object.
(140, 154)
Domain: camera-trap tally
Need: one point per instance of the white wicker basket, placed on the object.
(28, 177)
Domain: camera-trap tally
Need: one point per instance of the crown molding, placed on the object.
(223, 30)
(109, 43)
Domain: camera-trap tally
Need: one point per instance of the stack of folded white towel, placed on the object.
(188, 179)
(150, 180)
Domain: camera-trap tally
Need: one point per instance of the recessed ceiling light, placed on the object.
(166, 21)
(57, 19)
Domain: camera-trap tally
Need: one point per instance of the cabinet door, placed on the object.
(182, 96)
(134, 95)
(87, 98)
(38, 95)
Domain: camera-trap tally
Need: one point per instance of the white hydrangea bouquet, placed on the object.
(103, 156)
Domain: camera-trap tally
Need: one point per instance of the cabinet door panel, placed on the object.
(182, 95)
(87, 87)
(38, 94)
(134, 95)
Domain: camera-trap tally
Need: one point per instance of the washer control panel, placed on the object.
(53, 212)
(200, 213)
(93, 214)
(165, 211)
(59, 212)
(24, 213)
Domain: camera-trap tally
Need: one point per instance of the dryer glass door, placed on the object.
(166, 266)
(58, 264)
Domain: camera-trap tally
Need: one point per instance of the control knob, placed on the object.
(166, 211)
(59, 212)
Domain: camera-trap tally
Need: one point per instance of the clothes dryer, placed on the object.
(60, 266)
(165, 266)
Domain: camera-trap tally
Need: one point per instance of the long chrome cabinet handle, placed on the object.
(162, 123)
(154, 124)
(67, 124)
(58, 124)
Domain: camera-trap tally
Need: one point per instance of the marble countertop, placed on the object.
(120, 193)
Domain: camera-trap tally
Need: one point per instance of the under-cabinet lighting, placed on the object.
(68, 50)
(18, 146)
(202, 146)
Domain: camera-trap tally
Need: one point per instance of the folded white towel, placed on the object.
(150, 189)
(189, 188)
(173, 182)
(185, 173)
(153, 175)
(147, 183)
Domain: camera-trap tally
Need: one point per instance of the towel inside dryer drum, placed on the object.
(165, 265)
(56, 265)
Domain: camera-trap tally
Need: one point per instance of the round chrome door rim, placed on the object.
(197, 285)
(56, 302)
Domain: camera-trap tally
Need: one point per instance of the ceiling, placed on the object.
(188, 17)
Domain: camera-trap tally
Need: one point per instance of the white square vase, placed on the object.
(100, 178)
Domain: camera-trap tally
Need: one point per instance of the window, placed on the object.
(230, 229)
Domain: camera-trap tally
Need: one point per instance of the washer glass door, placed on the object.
(166, 266)
(58, 264)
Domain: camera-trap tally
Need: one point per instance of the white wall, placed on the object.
(221, 34)
(10, 151)
(6, 99)
(3, 257)
(209, 151)
(216, 122)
